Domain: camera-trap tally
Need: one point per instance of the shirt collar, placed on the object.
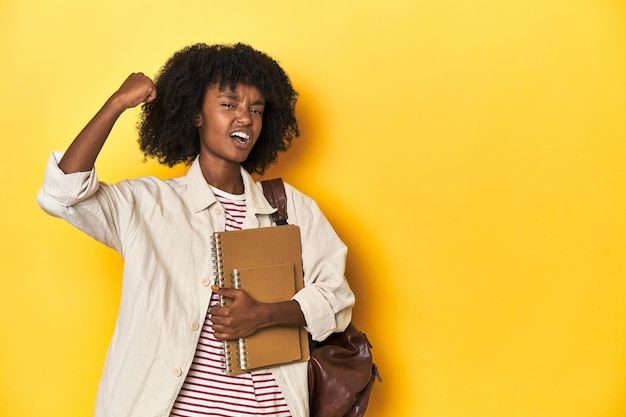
(201, 197)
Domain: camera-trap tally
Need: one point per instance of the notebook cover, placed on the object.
(269, 265)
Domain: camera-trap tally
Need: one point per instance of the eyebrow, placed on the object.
(235, 96)
(228, 94)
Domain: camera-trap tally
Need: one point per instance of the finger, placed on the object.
(220, 335)
(152, 94)
(218, 314)
(226, 292)
(222, 332)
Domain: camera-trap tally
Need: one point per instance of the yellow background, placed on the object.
(470, 152)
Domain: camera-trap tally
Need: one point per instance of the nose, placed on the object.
(243, 117)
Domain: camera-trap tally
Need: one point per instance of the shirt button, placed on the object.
(205, 282)
(195, 325)
(177, 372)
(218, 210)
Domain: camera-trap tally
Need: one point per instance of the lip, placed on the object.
(240, 141)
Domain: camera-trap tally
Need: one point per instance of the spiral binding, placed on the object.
(218, 270)
(235, 279)
(242, 348)
(218, 263)
(242, 353)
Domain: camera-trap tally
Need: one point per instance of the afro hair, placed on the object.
(167, 130)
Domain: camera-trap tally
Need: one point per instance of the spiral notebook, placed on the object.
(267, 264)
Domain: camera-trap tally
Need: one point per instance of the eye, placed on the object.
(257, 111)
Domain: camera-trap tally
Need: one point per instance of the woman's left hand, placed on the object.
(242, 317)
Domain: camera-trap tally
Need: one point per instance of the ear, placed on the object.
(198, 119)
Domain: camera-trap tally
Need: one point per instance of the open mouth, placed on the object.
(241, 137)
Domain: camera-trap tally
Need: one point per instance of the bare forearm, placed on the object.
(83, 152)
(287, 313)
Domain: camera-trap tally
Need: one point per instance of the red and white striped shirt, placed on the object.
(208, 390)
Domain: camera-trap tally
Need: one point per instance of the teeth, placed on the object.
(240, 135)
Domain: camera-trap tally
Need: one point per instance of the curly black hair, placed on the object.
(167, 130)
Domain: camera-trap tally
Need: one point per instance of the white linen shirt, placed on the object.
(162, 230)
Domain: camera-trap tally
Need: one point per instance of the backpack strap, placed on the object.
(274, 191)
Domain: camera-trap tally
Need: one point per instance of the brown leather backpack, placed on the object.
(341, 371)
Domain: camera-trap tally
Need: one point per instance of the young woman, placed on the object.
(227, 111)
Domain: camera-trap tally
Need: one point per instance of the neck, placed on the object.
(226, 177)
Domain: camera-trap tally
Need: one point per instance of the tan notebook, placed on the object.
(267, 264)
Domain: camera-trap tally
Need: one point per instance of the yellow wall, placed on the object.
(470, 152)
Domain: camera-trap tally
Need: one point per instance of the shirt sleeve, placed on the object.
(79, 199)
(61, 190)
(326, 300)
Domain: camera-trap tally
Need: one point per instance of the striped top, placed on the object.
(208, 390)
